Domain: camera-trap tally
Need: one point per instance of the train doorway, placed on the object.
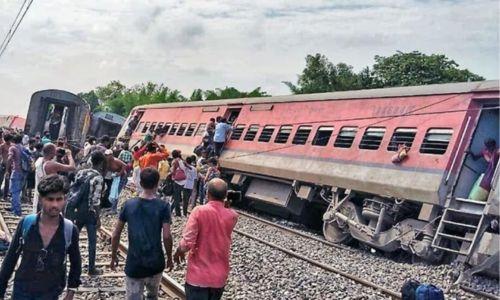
(232, 114)
(474, 167)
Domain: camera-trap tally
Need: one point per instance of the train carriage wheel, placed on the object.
(336, 233)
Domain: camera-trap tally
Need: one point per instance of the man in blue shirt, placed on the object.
(222, 132)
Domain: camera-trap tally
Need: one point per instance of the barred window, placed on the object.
(190, 130)
(166, 128)
(402, 136)
(346, 137)
(139, 127)
(145, 128)
(267, 132)
(182, 128)
(153, 127)
(237, 132)
(302, 135)
(283, 134)
(173, 129)
(322, 136)
(436, 141)
(372, 138)
(201, 129)
(251, 133)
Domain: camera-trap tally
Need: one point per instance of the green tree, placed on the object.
(233, 93)
(320, 75)
(92, 100)
(416, 68)
(197, 95)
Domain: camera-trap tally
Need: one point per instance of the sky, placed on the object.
(79, 45)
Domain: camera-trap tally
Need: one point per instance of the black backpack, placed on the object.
(77, 208)
(408, 291)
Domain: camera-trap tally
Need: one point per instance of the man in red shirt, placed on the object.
(207, 237)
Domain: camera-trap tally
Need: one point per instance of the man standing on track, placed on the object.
(4, 152)
(18, 173)
(207, 237)
(148, 219)
(44, 240)
(91, 219)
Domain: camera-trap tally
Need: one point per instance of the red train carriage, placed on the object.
(306, 154)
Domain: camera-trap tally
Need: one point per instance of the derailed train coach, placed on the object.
(61, 113)
(390, 168)
(64, 114)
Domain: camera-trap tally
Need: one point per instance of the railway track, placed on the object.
(108, 285)
(387, 291)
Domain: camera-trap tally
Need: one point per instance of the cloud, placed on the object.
(79, 45)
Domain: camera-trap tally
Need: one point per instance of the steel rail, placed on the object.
(291, 230)
(169, 285)
(391, 293)
(479, 293)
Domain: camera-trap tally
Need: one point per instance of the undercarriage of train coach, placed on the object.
(384, 224)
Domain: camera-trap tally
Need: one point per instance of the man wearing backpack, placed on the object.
(19, 164)
(148, 219)
(85, 194)
(44, 240)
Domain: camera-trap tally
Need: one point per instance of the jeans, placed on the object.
(202, 293)
(135, 287)
(20, 293)
(186, 194)
(92, 239)
(201, 191)
(17, 180)
(177, 199)
(218, 148)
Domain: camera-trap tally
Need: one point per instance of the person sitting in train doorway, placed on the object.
(44, 241)
(490, 154)
(207, 238)
(222, 133)
(148, 219)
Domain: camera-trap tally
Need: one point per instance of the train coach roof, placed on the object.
(432, 89)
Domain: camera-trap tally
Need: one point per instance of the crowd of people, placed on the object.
(71, 188)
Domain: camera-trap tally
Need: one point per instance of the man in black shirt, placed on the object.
(44, 241)
(147, 216)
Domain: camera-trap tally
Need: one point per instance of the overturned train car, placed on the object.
(336, 159)
(61, 113)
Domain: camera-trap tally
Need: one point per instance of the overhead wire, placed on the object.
(15, 25)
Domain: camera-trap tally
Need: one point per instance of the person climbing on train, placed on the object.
(490, 154)
(46, 165)
(210, 131)
(178, 175)
(148, 219)
(222, 132)
(207, 238)
(90, 196)
(132, 125)
(46, 138)
(45, 240)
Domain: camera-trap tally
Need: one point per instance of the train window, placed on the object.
(173, 129)
(346, 137)
(322, 136)
(436, 141)
(153, 127)
(139, 127)
(190, 130)
(283, 134)
(267, 132)
(165, 128)
(145, 128)
(251, 132)
(237, 132)
(372, 138)
(302, 135)
(201, 129)
(402, 136)
(182, 128)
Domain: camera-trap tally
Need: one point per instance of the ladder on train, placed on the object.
(460, 226)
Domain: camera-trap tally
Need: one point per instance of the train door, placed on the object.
(232, 114)
(474, 166)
